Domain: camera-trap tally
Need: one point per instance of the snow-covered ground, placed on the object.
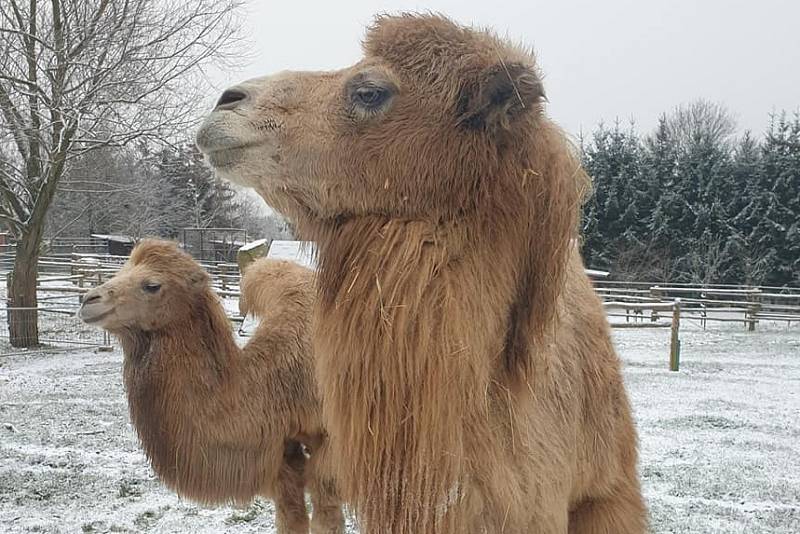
(720, 440)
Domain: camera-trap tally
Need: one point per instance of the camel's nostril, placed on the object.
(230, 99)
(88, 298)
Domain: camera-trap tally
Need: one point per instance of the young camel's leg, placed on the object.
(327, 517)
(622, 512)
(291, 516)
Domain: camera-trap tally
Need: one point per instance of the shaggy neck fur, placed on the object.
(426, 332)
(194, 401)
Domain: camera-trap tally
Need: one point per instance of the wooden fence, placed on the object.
(640, 304)
(746, 305)
(644, 305)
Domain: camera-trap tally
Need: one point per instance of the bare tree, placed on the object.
(702, 121)
(80, 74)
(250, 214)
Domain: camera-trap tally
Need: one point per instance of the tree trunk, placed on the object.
(23, 324)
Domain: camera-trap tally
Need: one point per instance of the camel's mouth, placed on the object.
(223, 132)
(94, 313)
(222, 158)
(231, 148)
(217, 143)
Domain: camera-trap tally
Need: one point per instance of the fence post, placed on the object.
(753, 310)
(675, 343)
(106, 346)
(9, 304)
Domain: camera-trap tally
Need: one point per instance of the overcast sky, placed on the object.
(602, 59)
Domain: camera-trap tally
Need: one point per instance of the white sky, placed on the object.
(602, 59)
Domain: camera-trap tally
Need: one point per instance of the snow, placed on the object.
(252, 244)
(718, 440)
(301, 252)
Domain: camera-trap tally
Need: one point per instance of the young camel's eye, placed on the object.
(151, 287)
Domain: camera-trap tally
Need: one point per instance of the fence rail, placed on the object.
(63, 277)
(58, 327)
(703, 303)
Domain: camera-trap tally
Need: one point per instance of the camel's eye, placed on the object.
(151, 287)
(371, 96)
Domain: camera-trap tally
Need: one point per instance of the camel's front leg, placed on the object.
(291, 516)
(327, 517)
(623, 512)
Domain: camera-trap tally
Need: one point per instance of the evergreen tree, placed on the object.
(772, 215)
(611, 216)
(742, 264)
(662, 201)
(688, 158)
(689, 203)
(204, 200)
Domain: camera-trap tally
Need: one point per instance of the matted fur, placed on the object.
(465, 363)
(220, 423)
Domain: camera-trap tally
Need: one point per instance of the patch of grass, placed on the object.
(129, 487)
(245, 516)
(146, 519)
(41, 494)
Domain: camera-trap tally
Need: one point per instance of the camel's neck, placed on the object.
(409, 314)
(198, 352)
(181, 385)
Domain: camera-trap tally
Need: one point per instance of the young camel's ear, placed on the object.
(503, 93)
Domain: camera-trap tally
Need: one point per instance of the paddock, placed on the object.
(718, 439)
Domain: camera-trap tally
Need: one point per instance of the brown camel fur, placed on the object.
(468, 377)
(220, 423)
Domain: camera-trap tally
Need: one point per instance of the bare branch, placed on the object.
(80, 75)
(15, 224)
(16, 123)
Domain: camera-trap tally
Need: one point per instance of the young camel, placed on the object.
(219, 423)
(468, 377)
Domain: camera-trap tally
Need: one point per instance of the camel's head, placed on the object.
(157, 287)
(418, 128)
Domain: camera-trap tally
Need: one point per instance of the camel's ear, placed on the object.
(199, 279)
(502, 94)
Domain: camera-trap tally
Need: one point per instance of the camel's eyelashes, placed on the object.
(371, 97)
(151, 287)
(368, 97)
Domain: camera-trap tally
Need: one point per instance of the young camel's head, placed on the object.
(419, 128)
(158, 287)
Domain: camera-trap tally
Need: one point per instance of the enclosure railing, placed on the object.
(645, 305)
(62, 279)
(58, 326)
(743, 304)
(640, 304)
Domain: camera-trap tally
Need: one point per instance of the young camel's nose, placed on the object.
(230, 99)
